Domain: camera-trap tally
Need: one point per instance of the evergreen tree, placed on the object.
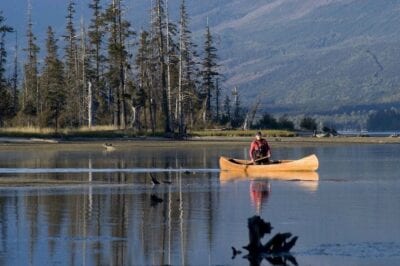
(267, 121)
(217, 100)
(169, 55)
(97, 60)
(31, 102)
(71, 44)
(388, 119)
(209, 72)
(187, 69)
(74, 95)
(118, 60)
(159, 44)
(238, 116)
(53, 84)
(85, 74)
(285, 123)
(6, 102)
(226, 117)
(308, 123)
(14, 79)
(143, 65)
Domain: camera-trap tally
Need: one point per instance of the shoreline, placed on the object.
(202, 139)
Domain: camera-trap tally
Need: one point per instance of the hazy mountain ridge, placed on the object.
(332, 55)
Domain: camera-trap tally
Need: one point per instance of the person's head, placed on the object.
(258, 135)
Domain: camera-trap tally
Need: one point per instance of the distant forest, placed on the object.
(382, 120)
(108, 74)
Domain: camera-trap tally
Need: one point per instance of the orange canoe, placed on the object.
(309, 163)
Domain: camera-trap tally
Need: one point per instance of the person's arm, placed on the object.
(269, 150)
(252, 147)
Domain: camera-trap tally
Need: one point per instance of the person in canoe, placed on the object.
(260, 152)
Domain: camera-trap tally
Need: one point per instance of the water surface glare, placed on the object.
(116, 216)
(101, 170)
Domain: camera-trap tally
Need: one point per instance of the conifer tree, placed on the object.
(217, 100)
(31, 102)
(237, 116)
(118, 55)
(187, 69)
(53, 84)
(159, 35)
(143, 65)
(169, 51)
(14, 79)
(85, 74)
(97, 60)
(209, 73)
(74, 107)
(5, 95)
(227, 110)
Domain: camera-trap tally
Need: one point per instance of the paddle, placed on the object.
(257, 160)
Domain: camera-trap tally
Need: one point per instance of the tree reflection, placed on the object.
(109, 219)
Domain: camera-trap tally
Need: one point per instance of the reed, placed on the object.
(243, 133)
(109, 131)
(27, 130)
(96, 131)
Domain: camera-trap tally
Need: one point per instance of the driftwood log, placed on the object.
(276, 250)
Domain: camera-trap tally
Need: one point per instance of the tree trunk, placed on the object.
(89, 104)
(161, 54)
(169, 97)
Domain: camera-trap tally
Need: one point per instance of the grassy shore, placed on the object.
(84, 132)
(276, 137)
(112, 132)
(242, 133)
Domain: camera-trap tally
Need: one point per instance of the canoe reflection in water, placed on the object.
(260, 187)
(305, 180)
(227, 176)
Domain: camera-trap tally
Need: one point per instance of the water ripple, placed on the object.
(359, 250)
(104, 170)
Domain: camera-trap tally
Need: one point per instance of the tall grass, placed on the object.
(243, 133)
(110, 131)
(96, 131)
(27, 130)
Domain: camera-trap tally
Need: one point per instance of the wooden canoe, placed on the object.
(309, 163)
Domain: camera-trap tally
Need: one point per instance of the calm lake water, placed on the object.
(351, 216)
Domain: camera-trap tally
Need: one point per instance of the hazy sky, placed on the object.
(52, 13)
(44, 13)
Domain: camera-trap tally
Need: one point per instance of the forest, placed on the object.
(106, 73)
(383, 120)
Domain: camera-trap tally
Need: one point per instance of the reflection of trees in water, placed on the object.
(117, 226)
(111, 225)
(146, 158)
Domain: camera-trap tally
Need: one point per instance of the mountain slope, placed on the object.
(316, 56)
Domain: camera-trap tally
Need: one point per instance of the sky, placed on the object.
(53, 12)
(44, 14)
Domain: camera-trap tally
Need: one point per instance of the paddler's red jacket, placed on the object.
(257, 145)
